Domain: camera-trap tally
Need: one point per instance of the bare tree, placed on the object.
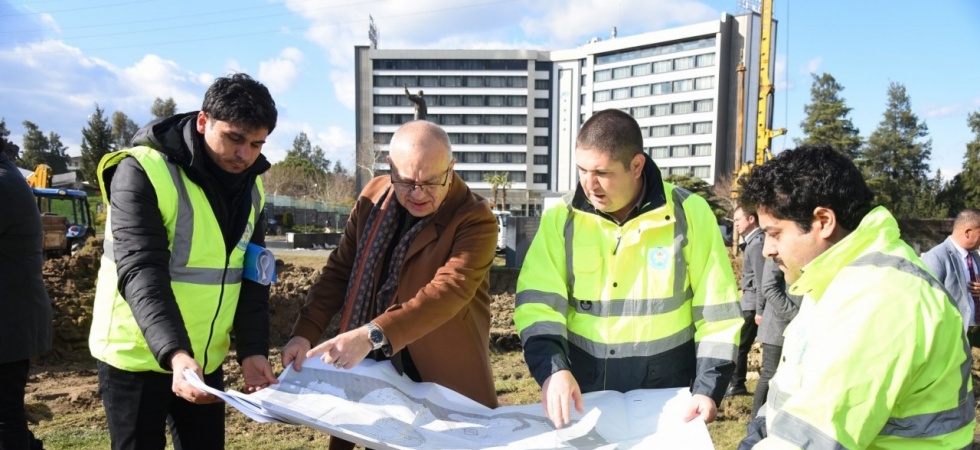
(368, 156)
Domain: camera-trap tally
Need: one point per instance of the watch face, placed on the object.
(377, 337)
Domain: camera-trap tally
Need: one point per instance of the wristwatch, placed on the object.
(376, 336)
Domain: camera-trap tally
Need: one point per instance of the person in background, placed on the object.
(877, 356)
(955, 264)
(627, 283)
(184, 204)
(25, 325)
(747, 224)
(410, 278)
(777, 308)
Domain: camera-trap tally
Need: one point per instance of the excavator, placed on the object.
(65, 215)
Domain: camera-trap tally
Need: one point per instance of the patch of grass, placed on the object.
(314, 262)
(514, 384)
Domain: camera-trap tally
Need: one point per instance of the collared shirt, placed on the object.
(963, 254)
(635, 210)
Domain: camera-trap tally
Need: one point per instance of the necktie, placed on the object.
(972, 276)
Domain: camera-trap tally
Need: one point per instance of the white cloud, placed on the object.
(337, 143)
(939, 111)
(812, 66)
(279, 73)
(572, 22)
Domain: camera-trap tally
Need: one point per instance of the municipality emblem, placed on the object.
(658, 257)
(247, 236)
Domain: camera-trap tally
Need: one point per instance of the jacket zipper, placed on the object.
(217, 311)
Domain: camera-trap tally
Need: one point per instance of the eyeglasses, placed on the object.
(409, 186)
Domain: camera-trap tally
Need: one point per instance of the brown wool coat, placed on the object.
(442, 306)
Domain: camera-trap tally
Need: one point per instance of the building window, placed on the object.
(657, 152)
(661, 66)
(702, 171)
(450, 100)
(654, 50)
(684, 63)
(683, 85)
(621, 72)
(541, 160)
(702, 128)
(680, 129)
(428, 81)
(680, 170)
(640, 112)
(640, 70)
(541, 122)
(495, 158)
(541, 140)
(660, 88)
(541, 103)
(703, 105)
(603, 75)
(702, 149)
(705, 60)
(583, 79)
(470, 157)
(516, 101)
(540, 178)
(680, 151)
(704, 82)
(660, 131)
(682, 107)
(517, 177)
(450, 119)
(661, 110)
(603, 96)
(641, 91)
(542, 84)
(620, 93)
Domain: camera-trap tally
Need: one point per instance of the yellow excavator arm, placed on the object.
(41, 178)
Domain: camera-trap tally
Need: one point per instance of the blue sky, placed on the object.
(58, 58)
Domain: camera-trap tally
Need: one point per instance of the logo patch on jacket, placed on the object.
(246, 236)
(658, 258)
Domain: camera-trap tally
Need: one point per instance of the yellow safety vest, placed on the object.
(206, 282)
(876, 358)
(635, 292)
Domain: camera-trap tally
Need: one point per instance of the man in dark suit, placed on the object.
(747, 224)
(954, 262)
(25, 326)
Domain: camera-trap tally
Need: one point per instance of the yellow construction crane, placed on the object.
(763, 134)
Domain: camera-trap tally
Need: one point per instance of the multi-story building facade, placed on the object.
(518, 111)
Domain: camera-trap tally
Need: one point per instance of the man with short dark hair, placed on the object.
(954, 262)
(876, 357)
(410, 278)
(627, 284)
(747, 224)
(184, 205)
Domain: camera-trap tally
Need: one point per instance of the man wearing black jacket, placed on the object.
(184, 204)
(25, 325)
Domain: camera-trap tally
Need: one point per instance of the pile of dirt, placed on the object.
(70, 281)
(286, 298)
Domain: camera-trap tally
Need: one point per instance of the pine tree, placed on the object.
(12, 150)
(96, 142)
(56, 155)
(970, 176)
(896, 161)
(826, 119)
(35, 146)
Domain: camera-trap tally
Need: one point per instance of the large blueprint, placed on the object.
(375, 407)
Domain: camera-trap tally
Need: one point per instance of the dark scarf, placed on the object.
(361, 303)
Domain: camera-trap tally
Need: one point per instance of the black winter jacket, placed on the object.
(25, 325)
(141, 244)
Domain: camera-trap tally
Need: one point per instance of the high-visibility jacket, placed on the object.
(206, 280)
(647, 304)
(877, 356)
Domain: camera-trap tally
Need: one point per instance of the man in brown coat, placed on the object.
(410, 277)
